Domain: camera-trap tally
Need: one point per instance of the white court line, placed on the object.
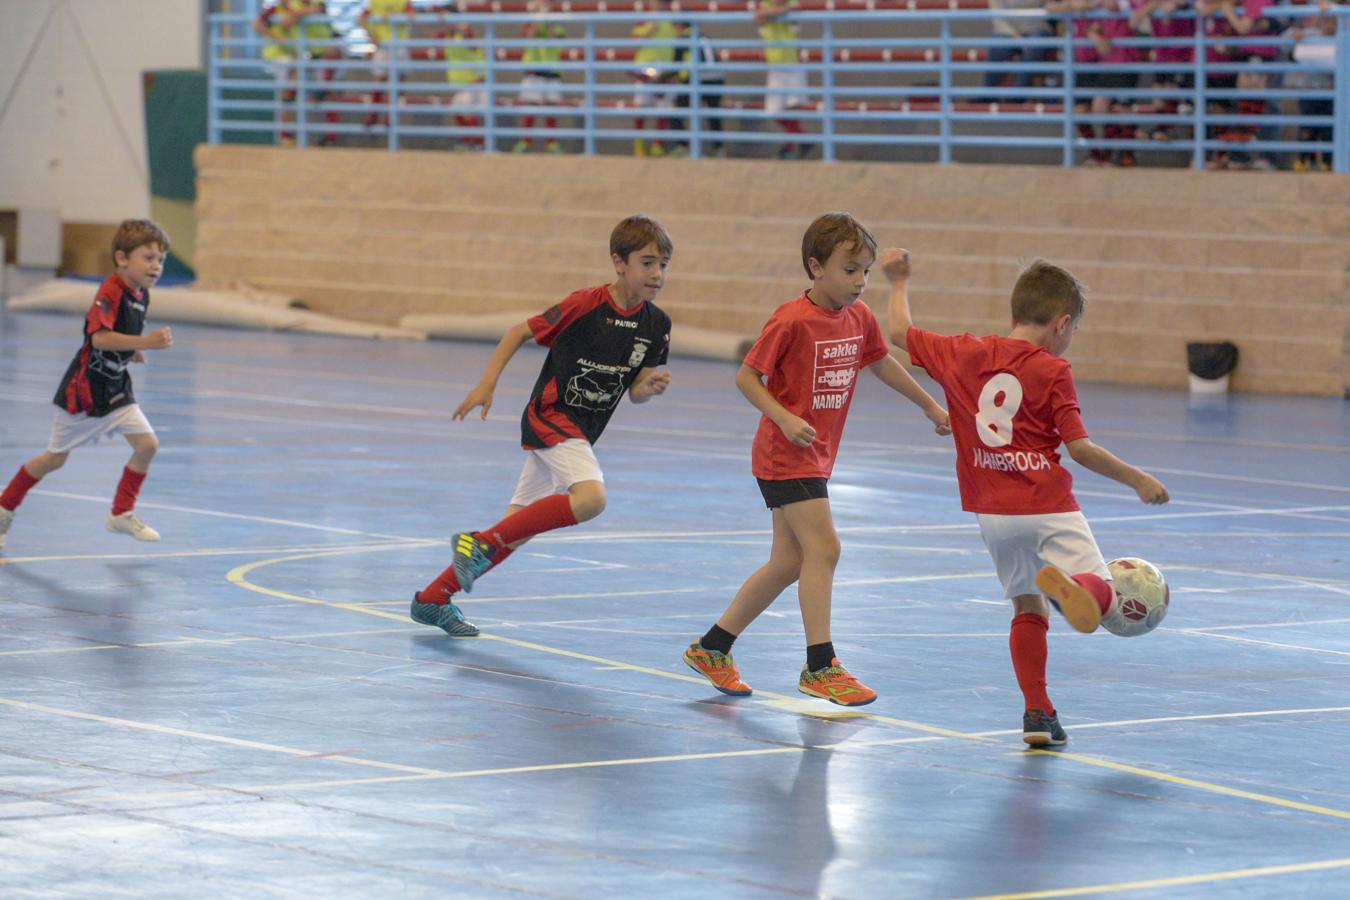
(180, 554)
(1277, 644)
(188, 641)
(268, 520)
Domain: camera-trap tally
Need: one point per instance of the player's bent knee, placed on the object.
(588, 500)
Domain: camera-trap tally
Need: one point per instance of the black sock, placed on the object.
(819, 656)
(718, 639)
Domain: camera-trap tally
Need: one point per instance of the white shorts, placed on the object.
(654, 94)
(785, 79)
(469, 98)
(555, 469)
(537, 89)
(1021, 545)
(71, 431)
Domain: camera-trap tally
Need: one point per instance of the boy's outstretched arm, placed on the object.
(794, 428)
(650, 381)
(481, 395)
(895, 377)
(1102, 461)
(894, 262)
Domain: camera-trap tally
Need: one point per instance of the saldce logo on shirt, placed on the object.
(836, 367)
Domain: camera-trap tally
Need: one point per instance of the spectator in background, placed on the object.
(656, 67)
(542, 83)
(1103, 36)
(465, 75)
(1167, 19)
(711, 80)
(786, 80)
(280, 24)
(1019, 31)
(1227, 19)
(385, 37)
(1315, 48)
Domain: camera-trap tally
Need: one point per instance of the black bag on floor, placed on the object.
(1211, 360)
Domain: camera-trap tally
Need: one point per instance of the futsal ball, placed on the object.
(1141, 597)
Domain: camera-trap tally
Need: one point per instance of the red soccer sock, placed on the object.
(446, 584)
(127, 489)
(554, 511)
(17, 489)
(1098, 588)
(1026, 641)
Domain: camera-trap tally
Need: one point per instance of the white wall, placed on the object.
(72, 125)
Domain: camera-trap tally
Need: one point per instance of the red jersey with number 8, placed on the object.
(1012, 404)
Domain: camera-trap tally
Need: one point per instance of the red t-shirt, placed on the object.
(810, 357)
(1012, 404)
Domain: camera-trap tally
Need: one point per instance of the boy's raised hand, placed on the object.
(479, 396)
(894, 262)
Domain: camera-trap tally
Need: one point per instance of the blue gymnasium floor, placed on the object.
(244, 710)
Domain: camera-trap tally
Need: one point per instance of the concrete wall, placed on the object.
(1170, 255)
(72, 123)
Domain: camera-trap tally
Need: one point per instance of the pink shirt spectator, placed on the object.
(1173, 27)
(1216, 26)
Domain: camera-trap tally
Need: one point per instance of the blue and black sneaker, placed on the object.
(473, 557)
(1042, 729)
(446, 616)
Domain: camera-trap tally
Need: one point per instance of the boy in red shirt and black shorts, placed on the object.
(810, 351)
(94, 399)
(1012, 402)
(602, 342)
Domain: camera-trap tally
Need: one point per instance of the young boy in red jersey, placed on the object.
(810, 350)
(602, 342)
(95, 397)
(1012, 402)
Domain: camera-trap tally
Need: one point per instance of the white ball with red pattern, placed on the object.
(1141, 597)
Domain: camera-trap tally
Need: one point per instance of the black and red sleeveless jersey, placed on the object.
(97, 381)
(596, 350)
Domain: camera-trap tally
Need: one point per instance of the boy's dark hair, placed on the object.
(1044, 292)
(831, 230)
(636, 232)
(133, 233)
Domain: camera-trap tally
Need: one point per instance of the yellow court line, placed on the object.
(238, 576)
(1191, 782)
(204, 736)
(771, 700)
(1207, 878)
(189, 641)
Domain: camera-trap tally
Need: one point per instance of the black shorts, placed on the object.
(1105, 80)
(793, 490)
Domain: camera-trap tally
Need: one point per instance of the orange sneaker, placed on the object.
(833, 683)
(1074, 601)
(717, 668)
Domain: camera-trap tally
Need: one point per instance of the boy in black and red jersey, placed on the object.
(810, 351)
(1013, 402)
(602, 342)
(95, 397)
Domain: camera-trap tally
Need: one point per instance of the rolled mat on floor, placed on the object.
(235, 306)
(686, 340)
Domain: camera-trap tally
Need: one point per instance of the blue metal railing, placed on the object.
(912, 88)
